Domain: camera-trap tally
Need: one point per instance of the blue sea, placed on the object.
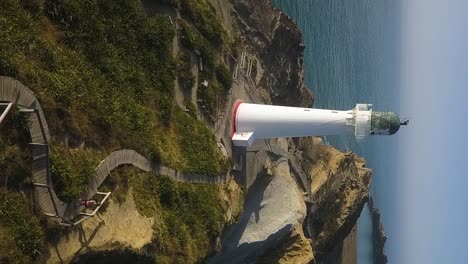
(352, 56)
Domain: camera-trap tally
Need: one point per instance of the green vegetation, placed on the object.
(215, 74)
(208, 37)
(200, 154)
(14, 163)
(21, 235)
(224, 77)
(193, 40)
(235, 45)
(104, 73)
(204, 17)
(72, 171)
(92, 68)
(190, 217)
(184, 70)
(210, 95)
(118, 182)
(192, 109)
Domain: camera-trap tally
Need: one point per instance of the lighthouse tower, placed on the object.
(256, 121)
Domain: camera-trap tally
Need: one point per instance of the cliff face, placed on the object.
(378, 234)
(340, 184)
(277, 43)
(295, 249)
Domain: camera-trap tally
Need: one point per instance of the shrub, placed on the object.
(235, 45)
(165, 110)
(103, 81)
(25, 239)
(71, 172)
(200, 150)
(118, 38)
(202, 13)
(224, 76)
(191, 216)
(14, 162)
(184, 70)
(208, 97)
(192, 40)
(29, 236)
(159, 31)
(192, 109)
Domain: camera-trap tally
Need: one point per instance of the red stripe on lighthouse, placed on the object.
(234, 116)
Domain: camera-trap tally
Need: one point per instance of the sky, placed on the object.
(433, 151)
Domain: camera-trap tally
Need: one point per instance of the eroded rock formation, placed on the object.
(273, 208)
(340, 188)
(378, 234)
(277, 43)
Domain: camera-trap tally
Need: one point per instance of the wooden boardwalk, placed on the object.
(131, 157)
(15, 92)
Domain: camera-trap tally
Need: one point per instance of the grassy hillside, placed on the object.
(188, 217)
(21, 235)
(104, 72)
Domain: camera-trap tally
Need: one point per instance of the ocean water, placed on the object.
(352, 56)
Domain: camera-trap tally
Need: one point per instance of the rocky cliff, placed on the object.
(274, 211)
(340, 184)
(378, 234)
(277, 43)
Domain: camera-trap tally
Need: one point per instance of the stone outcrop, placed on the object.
(121, 226)
(295, 249)
(339, 186)
(232, 196)
(277, 43)
(378, 234)
(273, 208)
(340, 183)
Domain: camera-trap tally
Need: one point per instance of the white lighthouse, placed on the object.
(256, 121)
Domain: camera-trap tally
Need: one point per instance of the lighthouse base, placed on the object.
(243, 139)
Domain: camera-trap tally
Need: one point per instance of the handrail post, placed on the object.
(9, 105)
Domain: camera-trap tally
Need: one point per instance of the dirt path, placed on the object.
(179, 92)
